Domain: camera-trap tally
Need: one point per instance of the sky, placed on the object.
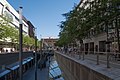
(45, 15)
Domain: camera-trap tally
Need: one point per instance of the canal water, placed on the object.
(54, 71)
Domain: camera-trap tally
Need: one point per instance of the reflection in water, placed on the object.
(54, 71)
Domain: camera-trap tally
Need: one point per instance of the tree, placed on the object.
(81, 20)
(8, 32)
(28, 41)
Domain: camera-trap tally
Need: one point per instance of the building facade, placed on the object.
(49, 43)
(104, 33)
(31, 29)
(8, 12)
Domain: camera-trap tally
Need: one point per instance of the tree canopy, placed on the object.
(81, 20)
(11, 33)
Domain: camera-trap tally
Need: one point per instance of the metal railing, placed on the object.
(108, 58)
(12, 73)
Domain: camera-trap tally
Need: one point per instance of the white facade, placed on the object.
(7, 10)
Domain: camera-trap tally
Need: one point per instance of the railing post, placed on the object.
(83, 52)
(97, 53)
(80, 54)
(108, 63)
(83, 55)
(108, 53)
(97, 58)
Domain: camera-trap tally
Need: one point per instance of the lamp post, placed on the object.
(20, 43)
(41, 44)
(108, 46)
(35, 37)
(35, 57)
(118, 37)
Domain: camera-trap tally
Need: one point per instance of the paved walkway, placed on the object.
(41, 74)
(102, 59)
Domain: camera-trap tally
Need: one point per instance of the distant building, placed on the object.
(31, 30)
(49, 43)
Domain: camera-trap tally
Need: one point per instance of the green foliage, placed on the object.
(79, 21)
(38, 43)
(7, 31)
(28, 41)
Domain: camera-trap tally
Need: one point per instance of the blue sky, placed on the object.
(45, 15)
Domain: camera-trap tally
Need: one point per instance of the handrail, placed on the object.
(13, 71)
(106, 56)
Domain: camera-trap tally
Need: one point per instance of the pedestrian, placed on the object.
(11, 50)
(6, 50)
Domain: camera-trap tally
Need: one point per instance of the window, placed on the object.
(1, 8)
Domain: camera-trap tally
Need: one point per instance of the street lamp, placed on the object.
(20, 43)
(35, 37)
(41, 43)
(35, 57)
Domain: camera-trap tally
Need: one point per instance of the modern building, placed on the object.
(31, 29)
(7, 11)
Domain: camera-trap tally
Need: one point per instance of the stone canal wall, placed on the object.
(76, 70)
